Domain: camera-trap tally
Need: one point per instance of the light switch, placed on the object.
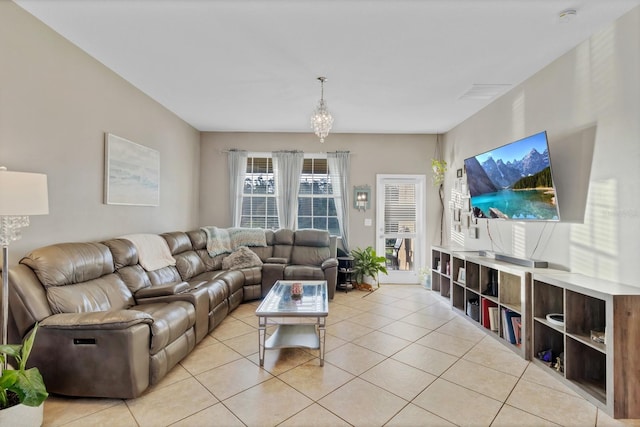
(367, 222)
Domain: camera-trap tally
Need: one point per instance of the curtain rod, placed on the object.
(263, 153)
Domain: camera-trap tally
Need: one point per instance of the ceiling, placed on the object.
(392, 66)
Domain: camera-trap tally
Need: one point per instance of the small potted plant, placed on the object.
(22, 391)
(366, 263)
(424, 275)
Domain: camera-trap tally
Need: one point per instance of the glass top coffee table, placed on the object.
(300, 309)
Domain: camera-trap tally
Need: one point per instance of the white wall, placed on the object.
(593, 87)
(370, 155)
(56, 103)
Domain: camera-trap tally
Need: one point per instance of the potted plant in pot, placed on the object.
(22, 391)
(366, 263)
(424, 275)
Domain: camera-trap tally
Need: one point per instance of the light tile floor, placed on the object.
(396, 357)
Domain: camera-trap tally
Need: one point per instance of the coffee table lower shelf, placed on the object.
(297, 335)
(291, 336)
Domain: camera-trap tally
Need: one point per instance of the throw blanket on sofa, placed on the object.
(243, 257)
(218, 241)
(247, 237)
(153, 251)
(224, 241)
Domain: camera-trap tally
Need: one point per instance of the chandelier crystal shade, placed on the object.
(321, 120)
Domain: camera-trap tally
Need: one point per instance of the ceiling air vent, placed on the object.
(485, 91)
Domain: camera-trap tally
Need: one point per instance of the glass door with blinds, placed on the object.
(400, 225)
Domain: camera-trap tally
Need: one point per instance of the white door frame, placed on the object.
(420, 245)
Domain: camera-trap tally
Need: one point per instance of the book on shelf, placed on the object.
(486, 317)
(493, 318)
(508, 329)
(516, 322)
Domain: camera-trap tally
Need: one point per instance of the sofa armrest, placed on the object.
(115, 319)
(164, 290)
(328, 263)
(276, 260)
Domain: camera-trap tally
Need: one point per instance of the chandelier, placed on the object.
(321, 119)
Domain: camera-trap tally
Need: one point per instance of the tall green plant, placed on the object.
(27, 384)
(367, 263)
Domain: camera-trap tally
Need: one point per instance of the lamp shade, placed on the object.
(23, 194)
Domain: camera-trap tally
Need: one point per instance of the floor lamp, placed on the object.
(21, 194)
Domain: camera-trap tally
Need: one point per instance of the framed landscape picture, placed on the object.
(131, 173)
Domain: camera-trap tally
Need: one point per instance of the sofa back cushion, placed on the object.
(178, 242)
(164, 276)
(69, 263)
(102, 294)
(198, 239)
(311, 247)
(125, 257)
(188, 263)
(265, 252)
(283, 243)
(199, 243)
(79, 277)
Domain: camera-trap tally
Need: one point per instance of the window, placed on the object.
(316, 207)
(259, 200)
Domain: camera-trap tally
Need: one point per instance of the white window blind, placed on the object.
(258, 202)
(400, 211)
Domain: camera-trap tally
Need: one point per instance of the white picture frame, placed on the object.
(131, 173)
(462, 275)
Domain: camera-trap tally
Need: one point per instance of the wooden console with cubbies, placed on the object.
(606, 373)
(594, 350)
(493, 296)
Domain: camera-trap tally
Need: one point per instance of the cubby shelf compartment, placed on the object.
(441, 270)
(511, 287)
(606, 373)
(457, 296)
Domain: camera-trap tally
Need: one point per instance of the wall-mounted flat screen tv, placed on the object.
(514, 182)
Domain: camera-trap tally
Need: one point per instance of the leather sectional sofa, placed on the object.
(111, 328)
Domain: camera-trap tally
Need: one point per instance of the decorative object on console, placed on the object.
(462, 275)
(362, 197)
(555, 319)
(321, 120)
(473, 309)
(598, 335)
(131, 173)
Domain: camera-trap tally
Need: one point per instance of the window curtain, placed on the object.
(340, 170)
(287, 168)
(237, 161)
